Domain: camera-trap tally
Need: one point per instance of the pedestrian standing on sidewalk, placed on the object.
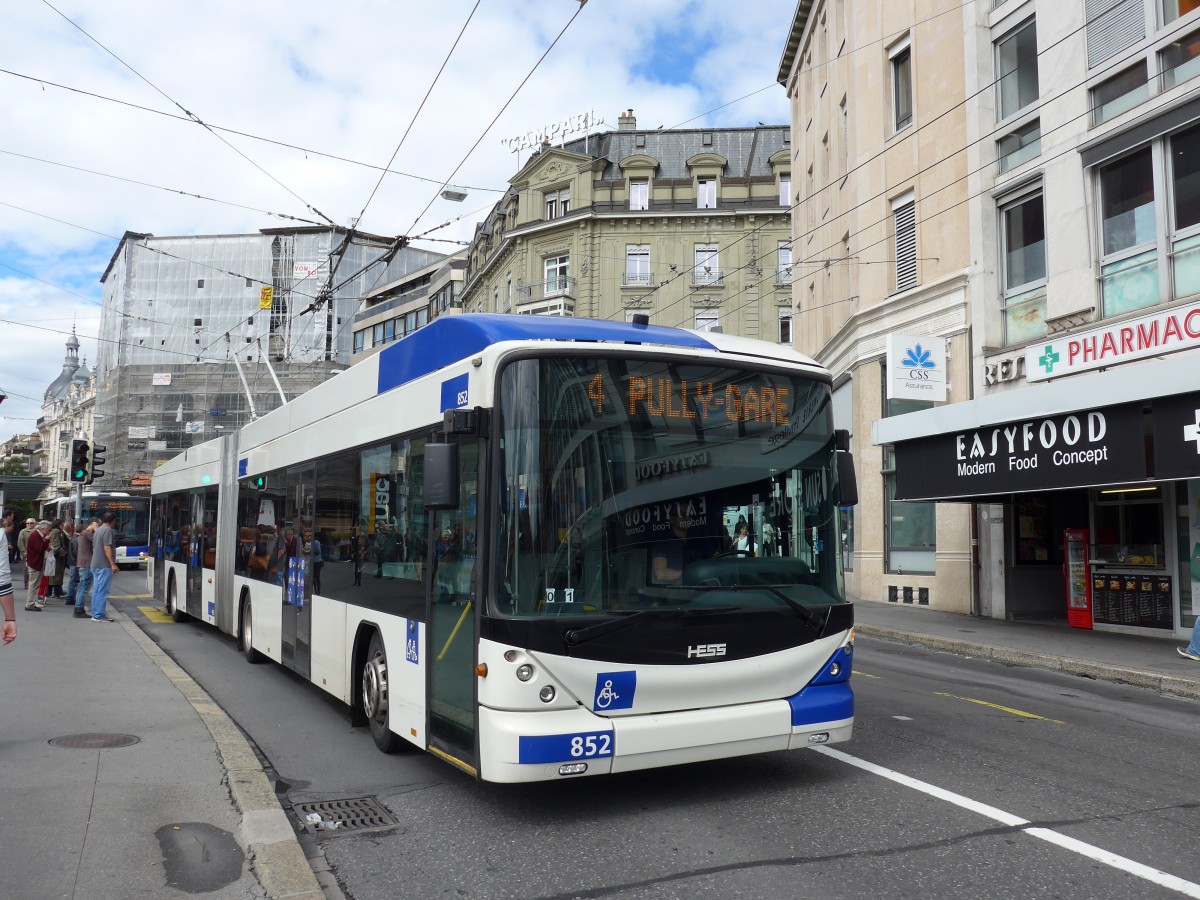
(104, 564)
(71, 575)
(83, 562)
(58, 546)
(23, 537)
(9, 605)
(37, 548)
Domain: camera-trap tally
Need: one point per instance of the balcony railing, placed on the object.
(636, 279)
(555, 286)
(704, 276)
(783, 276)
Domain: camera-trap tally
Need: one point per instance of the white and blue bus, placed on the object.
(131, 527)
(535, 546)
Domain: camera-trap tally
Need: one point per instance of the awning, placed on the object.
(22, 487)
(1133, 424)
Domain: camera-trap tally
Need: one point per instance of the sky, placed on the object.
(305, 104)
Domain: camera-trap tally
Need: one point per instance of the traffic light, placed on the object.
(80, 452)
(259, 482)
(95, 459)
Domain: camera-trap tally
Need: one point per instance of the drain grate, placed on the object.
(358, 814)
(94, 741)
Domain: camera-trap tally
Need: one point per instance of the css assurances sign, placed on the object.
(916, 366)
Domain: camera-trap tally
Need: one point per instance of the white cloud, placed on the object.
(344, 81)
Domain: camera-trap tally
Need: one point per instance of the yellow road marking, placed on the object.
(130, 596)
(1007, 709)
(863, 674)
(155, 615)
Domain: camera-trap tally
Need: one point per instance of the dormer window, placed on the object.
(639, 194)
(706, 193)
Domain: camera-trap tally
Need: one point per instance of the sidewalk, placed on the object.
(150, 784)
(1150, 662)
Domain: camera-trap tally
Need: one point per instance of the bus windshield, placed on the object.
(629, 484)
(132, 527)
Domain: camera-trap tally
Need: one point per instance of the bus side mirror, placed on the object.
(441, 476)
(847, 480)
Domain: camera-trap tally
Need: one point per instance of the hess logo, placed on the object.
(705, 651)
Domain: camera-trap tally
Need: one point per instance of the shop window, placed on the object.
(1127, 527)
(910, 526)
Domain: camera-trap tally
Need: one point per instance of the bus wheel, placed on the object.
(375, 696)
(173, 603)
(246, 633)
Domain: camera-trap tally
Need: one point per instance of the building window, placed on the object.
(360, 338)
(844, 122)
(508, 298)
(377, 335)
(1185, 189)
(706, 193)
(785, 190)
(1180, 60)
(1129, 270)
(637, 264)
(558, 270)
(1017, 69)
(910, 526)
(785, 327)
(1019, 146)
(902, 105)
(496, 298)
(639, 194)
(707, 320)
(707, 269)
(558, 203)
(1174, 9)
(783, 272)
(1122, 92)
(904, 229)
(1023, 236)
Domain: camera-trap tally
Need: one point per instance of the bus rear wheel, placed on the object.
(246, 635)
(375, 696)
(173, 609)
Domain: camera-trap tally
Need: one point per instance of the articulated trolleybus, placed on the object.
(537, 547)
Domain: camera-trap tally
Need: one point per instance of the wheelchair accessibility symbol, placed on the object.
(614, 690)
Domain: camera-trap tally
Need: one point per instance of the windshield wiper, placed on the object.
(580, 635)
(814, 620)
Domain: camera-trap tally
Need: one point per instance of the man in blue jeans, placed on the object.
(83, 562)
(104, 564)
(1192, 651)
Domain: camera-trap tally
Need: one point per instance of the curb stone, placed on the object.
(1164, 684)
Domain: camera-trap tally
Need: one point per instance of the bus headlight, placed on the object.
(546, 694)
(524, 672)
(835, 669)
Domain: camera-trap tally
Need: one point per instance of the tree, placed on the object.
(14, 465)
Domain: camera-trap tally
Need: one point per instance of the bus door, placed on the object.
(294, 539)
(452, 615)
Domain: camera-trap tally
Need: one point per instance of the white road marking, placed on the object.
(903, 718)
(1172, 882)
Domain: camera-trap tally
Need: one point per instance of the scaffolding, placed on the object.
(178, 310)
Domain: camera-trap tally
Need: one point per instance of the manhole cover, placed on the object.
(94, 741)
(339, 816)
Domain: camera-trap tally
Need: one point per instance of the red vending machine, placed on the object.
(1079, 582)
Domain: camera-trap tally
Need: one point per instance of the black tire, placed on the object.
(375, 696)
(246, 635)
(173, 609)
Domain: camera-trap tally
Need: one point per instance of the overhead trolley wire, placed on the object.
(191, 115)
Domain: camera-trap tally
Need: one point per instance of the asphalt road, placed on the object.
(964, 779)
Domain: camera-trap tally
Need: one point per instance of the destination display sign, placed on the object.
(1088, 447)
(751, 400)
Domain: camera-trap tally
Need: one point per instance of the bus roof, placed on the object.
(448, 339)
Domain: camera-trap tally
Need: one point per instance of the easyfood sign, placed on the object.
(1078, 449)
(1165, 332)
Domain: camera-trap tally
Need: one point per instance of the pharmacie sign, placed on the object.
(916, 366)
(1078, 449)
(1164, 332)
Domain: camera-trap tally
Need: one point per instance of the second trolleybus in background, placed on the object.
(131, 527)
(537, 547)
